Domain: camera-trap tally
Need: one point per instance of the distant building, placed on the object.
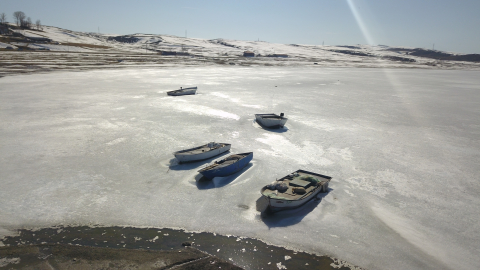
(17, 34)
(39, 39)
(278, 55)
(168, 53)
(4, 30)
(248, 54)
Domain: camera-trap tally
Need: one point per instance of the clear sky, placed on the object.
(451, 25)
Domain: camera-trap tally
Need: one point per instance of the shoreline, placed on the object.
(17, 63)
(58, 256)
(247, 253)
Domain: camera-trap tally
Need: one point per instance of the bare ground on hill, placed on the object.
(27, 61)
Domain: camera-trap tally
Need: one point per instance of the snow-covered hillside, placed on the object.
(64, 49)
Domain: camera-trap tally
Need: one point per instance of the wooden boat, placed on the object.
(227, 166)
(271, 120)
(293, 190)
(183, 91)
(202, 152)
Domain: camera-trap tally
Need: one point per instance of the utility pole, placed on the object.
(323, 50)
(433, 46)
(185, 33)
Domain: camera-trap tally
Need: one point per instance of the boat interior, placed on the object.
(202, 149)
(225, 162)
(183, 89)
(271, 115)
(299, 184)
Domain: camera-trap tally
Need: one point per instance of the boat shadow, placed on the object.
(291, 217)
(276, 130)
(218, 182)
(175, 166)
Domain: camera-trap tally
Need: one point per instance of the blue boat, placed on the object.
(227, 166)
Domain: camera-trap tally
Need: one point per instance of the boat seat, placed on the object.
(234, 157)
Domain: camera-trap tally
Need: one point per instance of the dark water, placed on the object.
(243, 252)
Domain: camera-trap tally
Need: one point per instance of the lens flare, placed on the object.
(360, 22)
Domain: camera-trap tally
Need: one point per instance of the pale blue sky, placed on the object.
(452, 25)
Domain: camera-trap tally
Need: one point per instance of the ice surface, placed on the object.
(402, 147)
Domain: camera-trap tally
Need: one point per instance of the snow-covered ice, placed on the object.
(402, 146)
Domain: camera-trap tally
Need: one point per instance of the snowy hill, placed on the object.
(119, 50)
(149, 43)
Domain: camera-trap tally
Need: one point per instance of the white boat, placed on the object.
(271, 120)
(183, 91)
(202, 152)
(292, 191)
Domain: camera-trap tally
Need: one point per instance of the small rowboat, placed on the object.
(183, 91)
(202, 152)
(271, 120)
(227, 166)
(292, 191)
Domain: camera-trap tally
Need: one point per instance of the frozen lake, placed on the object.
(402, 146)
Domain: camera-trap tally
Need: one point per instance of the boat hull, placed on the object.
(285, 193)
(182, 92)
(276, 205)
(268, 122)
(228, 170)
(186, 157)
